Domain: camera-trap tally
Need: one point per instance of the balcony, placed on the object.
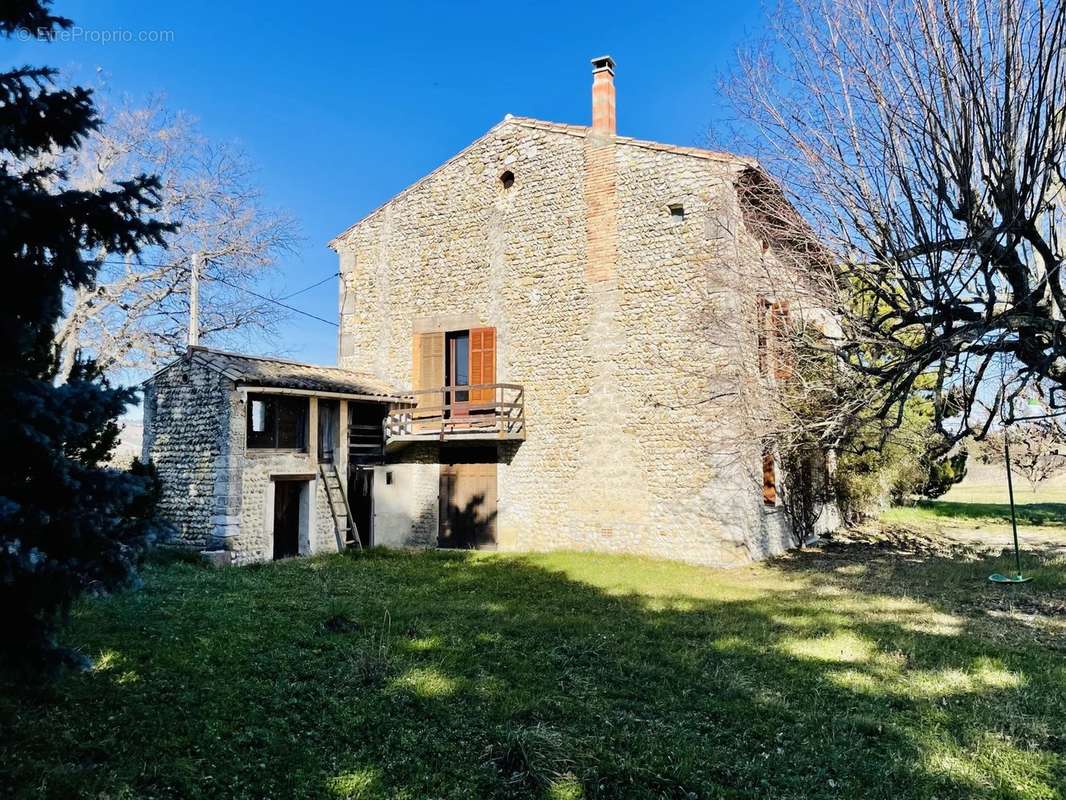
(487, 412)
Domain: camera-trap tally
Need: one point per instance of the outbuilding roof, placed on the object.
(279, 373)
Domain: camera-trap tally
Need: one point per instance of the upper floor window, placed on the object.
(451, 361)
(773, 332)
(277, 421)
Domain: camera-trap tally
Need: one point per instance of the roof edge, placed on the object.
(191, 352)
(505, 121)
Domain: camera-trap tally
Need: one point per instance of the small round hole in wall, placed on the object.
(507, 179)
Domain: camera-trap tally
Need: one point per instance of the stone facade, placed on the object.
(611, 271)
(601, 296)
(186, 435)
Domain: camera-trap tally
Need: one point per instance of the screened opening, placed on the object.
(328, 430)
(507, 179)
(277, 422)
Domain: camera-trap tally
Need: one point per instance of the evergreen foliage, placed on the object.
(68, 524)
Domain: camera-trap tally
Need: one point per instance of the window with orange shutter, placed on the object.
(783, 357)
(428, 368)
(769, 479)
(774, 348)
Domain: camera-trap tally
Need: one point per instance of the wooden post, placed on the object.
(194, 301)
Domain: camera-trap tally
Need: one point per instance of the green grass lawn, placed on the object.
(980, 502)
(842, 673)
(978, 513)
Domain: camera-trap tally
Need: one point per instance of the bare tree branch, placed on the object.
(136, 315)
(924, 140)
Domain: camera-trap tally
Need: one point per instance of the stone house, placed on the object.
(533, 326)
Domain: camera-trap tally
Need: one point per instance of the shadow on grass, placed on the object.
(1028, 513)
(542, 676)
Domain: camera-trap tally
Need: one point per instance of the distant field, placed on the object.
(978, 508)
(988, 484)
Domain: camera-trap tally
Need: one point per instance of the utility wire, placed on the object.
(309, 288)
(276, 302)
(254, 294)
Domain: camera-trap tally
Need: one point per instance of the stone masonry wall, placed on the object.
(186, 418)
(599, 299)
(259, 470)
(217, 493)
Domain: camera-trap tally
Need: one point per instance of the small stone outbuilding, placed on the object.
(247, 448)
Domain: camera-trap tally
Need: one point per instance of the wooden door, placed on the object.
(457, 367)
(287, 518)
(467, 506)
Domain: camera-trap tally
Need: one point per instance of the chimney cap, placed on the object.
(601, 63)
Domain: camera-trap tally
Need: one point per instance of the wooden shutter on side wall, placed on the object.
(769, 479)
(781, 332)
(482, 364)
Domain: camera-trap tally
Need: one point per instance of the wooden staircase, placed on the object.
(343, 522)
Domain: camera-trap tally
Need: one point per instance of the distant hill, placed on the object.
(129, 444)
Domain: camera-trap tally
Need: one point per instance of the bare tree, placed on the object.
(136, 314)
(1037, 450)
(924, 142)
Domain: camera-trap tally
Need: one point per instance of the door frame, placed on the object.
(370, 471)
(307, 483)
(459, 408)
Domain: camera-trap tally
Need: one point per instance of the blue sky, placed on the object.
(342, 110)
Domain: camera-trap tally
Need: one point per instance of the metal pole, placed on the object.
(1018, 577)
(1010, 495)
(194, 301)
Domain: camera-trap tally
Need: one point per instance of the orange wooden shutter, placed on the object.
(428, 368)
(769, 480)
(482, 364)
(783, 356)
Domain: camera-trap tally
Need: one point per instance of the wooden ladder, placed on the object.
(343, 522)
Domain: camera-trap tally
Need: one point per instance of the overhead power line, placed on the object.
(263, 297)
(309, 288)
(276, 302)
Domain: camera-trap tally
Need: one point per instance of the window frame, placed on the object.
(269, 439)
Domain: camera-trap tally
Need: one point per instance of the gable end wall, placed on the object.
(600, 302)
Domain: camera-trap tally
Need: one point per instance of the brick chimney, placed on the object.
(603, 95)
